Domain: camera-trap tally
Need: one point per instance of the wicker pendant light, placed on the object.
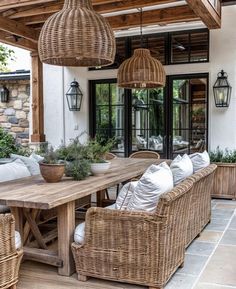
(141, 70)
(77, 36)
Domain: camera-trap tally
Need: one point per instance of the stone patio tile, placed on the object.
(201, 248)
(193, 264)
(222, 213)
(221, 267)
(210, 236)
(217, 225)
(226, 205)
(223, 201)
(181, 281)
(211, 286)
(229, 238)
(233, 223)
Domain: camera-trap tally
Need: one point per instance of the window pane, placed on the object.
(117, 94)
(179, 48)
(102, 94)
(180, 141)
(102, 117)
(198, 140)
(199, 47)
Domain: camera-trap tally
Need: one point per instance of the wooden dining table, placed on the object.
(28, 196)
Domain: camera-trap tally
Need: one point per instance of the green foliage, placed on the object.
(96, 150)
(7, 144)
(223, 156)
(51, 157)
(5, 55)
(74, 155)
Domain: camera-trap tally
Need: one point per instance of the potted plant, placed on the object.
(225, 176)
(96, 154)
(76, 165)
(52, 169)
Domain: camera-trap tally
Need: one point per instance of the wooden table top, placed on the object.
(34, 192)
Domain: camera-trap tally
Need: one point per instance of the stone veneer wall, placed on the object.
(14, 115)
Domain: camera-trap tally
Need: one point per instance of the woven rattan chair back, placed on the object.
(145, 155)
(10, 258)
(110, 156)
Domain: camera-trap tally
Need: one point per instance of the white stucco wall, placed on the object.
(62, 125)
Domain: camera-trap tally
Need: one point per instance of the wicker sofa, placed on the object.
(144, 248)
(10, 257)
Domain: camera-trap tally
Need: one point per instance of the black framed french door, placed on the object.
(170, 121)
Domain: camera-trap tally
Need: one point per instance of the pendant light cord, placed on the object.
(141, 26)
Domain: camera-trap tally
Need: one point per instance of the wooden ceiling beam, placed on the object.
(17, 42)
(8, 4)
(102, 8)
(160, 16)
(16, 28)
(207, 13)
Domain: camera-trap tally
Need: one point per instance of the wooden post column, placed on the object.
(37, 99)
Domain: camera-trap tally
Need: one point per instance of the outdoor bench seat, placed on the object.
(145, 248)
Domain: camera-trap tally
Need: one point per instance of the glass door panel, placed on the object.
(148, 123)
(189, 115)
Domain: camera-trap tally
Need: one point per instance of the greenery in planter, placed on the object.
(77, 166)
(223, 156)
(95, 150)
(7, 144)
(51, 157)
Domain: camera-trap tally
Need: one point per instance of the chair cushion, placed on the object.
(13, 171)
(80, 229)
(181, 168)
(200, 160)
(31, 163)
(17, 240)
(156, 181)
(124, 195)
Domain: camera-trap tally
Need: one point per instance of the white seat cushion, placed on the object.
(150, 188)
(17, 240)
(200, 161)
(14, 170)
(30, 163)
(80, 229)
(181, 168)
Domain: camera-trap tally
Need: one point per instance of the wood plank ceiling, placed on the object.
(21, 20)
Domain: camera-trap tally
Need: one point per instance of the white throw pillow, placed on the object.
(31, 164)
(181, 168)
(13, 171)
(17, 240)
(36, 157)
(124, 195)
(200, 161)
(150, 188)
(80, 229)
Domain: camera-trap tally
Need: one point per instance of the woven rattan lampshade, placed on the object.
(141, 71)
(77, 36)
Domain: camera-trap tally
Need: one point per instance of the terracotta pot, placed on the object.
(98, 169)
(52, 173)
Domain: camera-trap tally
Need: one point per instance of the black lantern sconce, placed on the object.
(222, 90)
(74, 96)
(4, 93)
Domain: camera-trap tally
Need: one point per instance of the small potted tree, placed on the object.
(225, 176)
(52, 169)
(96, 154)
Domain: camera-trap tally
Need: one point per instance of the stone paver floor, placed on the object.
(210, 261)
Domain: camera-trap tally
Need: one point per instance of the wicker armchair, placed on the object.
(10, 258)
(200, 206)
(136, 247)
(145, 155)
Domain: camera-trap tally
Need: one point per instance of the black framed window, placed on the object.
(190, 46)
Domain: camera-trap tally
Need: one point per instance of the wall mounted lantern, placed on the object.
(74, 96)
(4, 93)
(222, 90)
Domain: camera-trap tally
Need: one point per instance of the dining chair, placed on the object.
(145, 155)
